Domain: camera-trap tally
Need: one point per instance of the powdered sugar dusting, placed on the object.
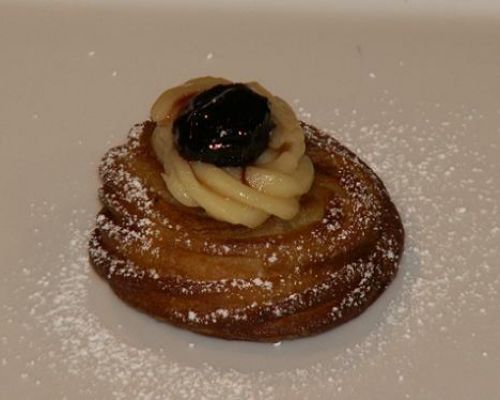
(447, 193)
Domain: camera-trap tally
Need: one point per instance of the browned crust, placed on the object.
(280, 281)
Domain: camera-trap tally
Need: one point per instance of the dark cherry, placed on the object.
(227, 125)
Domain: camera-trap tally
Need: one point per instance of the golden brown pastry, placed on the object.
(282, 278)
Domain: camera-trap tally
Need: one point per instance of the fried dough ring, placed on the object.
(282, 280)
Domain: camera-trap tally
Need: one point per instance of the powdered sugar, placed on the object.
(449, 274)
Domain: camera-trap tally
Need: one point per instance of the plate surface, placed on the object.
(416, 94)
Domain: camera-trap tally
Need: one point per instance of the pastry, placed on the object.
(225, 215)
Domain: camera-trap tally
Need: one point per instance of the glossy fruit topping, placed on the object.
(227, 125)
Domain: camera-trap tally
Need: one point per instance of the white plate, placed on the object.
(415, 94)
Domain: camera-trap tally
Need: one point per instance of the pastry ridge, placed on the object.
(282, 280)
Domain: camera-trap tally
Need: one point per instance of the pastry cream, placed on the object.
(239, 195)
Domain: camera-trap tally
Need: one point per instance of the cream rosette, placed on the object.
(272, 185)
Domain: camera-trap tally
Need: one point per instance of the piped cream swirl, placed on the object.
(238, 195)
